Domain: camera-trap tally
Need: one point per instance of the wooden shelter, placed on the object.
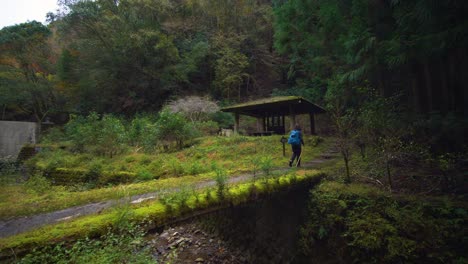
(271, 113)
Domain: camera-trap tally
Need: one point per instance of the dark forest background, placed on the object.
(133, 55)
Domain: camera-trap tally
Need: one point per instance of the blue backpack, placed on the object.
(295, 137)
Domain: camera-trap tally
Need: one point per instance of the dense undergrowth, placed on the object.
(126, 245)
(357, 223)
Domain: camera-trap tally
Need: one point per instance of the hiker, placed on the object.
(295, 139)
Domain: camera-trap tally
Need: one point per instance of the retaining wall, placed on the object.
(14, 134)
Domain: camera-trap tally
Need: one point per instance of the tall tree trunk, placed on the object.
(389, 175)
(453, 82)
(444, 100)
(464, 83)
(416, 97)
(427, 77)
(345, 154)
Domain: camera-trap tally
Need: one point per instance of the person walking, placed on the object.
(296, 142)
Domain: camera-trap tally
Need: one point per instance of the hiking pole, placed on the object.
(299, 159)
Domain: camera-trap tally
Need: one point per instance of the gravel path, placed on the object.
(23, 224)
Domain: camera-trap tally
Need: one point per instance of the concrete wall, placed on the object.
(13, 135)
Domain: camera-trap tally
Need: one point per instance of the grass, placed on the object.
(156, 172)
(234, 153)
(18, 200)
(158, 211)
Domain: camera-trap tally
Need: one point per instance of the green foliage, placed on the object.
(124, 62)
(207, 128)
(224, 119)
(363, 41)
(444, 133)
(129, 57)
(111, 135)
(143, 132)
(103, 136)
(230, 71)
(8, 171)
(173, 127)
(112, 247)
(221, 181)
(266, 166)
(174, 166)
(26, 83)
(363, 224)
(37, 184)
(94, 171)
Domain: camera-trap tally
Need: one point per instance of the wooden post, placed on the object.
(282, 124)
(260, 124)
(268, 123)
(292, 118)
(312, 124)
(236, 123)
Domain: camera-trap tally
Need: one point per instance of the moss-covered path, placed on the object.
(19, 225)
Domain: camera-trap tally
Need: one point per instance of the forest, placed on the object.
(135, 87)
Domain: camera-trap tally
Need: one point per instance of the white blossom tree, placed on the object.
(194, 108)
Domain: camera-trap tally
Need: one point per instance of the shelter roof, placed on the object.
(279, 105)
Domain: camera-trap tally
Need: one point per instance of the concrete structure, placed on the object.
(14, 134)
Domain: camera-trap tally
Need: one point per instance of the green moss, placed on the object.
(157, 211)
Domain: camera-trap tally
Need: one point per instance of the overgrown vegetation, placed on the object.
(362, 224)
(168, 206)
(65, 178)
(123, 245)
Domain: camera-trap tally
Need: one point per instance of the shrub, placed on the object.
(38, 184)
(174, 167)
(8, 170)
(142, 132)
(94, 171)
(207, 128)
(83, 131)
(53, 135)
(102, 136)
(174, 128)
(266, 165)
(144, 175)
(194, 168)
(221, 181)
(111, 136)
(225, 120)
